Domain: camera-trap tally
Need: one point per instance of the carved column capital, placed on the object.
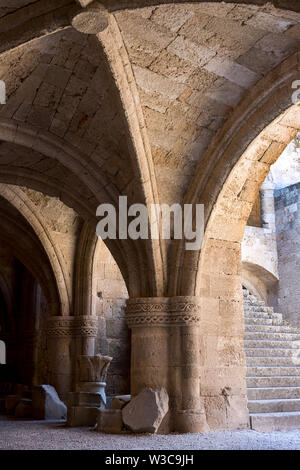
(83, 326)
(163, 311)
(59, 326)
(86, 326)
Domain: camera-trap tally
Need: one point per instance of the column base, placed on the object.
(83, 408)
(191, 421)
(93, 387)
(82, 416)
(110, 422)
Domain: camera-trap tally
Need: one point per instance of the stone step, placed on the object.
(271, 329)
(273, 361)
(275, 421)
(262, 321)
(272, 371)
(270, 344)
(274, 406)
(272, 349)
(273, 381)
(254, 300)
(272, 316)
(272, 336)
(269, 352)
(271, 393)
(257, 309)
(250, 302)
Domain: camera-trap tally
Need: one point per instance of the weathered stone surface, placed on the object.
(93, 388)
(110, 421)
(84, 399)
(83, 408)
(191, 421)
(82, 415)
(145, 412)
(21, 390)
(93, 368)
(161, 106)
(11, 402)
(92, 20)
(47, 404)
(120, 401)
(24, 408)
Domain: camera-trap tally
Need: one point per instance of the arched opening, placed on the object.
(22, 325)
(175, 102)
(219, 283)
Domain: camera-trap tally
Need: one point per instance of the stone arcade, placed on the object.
(164, 102)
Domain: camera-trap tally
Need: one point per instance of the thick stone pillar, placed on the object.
(267, 205)
(67, 337)
(59, 348)
(165, 352)
(85, 330)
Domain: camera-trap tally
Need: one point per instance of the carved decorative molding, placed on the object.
(83, 326)
(163, 311)
(93, 368)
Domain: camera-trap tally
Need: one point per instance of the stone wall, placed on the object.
(260, 263)
(113, 338)
(255, 216)
(288, 243)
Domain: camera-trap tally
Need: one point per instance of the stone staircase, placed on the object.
(272, 348)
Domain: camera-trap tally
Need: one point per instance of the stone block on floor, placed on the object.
(82, 416)
(21, 390)
(119, 401)
(11, 402)
(110, 421)
(145, 412)
(47, 404)
(24, 408)
(85, 399)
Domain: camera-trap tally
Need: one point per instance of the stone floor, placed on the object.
(29, 434)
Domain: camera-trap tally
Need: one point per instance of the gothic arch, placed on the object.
(261, 128)
(21, 202)
(23, 244)
(237, 161)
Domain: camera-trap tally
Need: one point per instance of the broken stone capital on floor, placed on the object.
(90, 397)
(93, 368)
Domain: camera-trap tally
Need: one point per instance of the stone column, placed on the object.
(267, 204)
(165, 352)
(68, 337)
(86, 328)
(85, 332)
(60, 347)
